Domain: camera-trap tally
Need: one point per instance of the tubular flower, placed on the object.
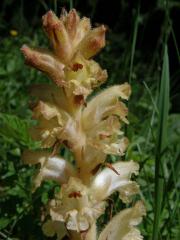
(76, 206)
(109, 181)
(91, 129)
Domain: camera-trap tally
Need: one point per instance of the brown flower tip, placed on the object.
(58, 36)
(71, 22)
(30, 58)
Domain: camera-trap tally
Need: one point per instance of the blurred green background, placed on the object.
(142, 48)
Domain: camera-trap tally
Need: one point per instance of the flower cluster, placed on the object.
(91, 129)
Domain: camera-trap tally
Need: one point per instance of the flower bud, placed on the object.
(45, 62)
(58, 36)
(93, 42)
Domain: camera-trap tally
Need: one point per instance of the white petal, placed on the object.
(54, 168)
(107, 181)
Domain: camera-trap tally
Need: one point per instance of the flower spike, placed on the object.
(90, 129)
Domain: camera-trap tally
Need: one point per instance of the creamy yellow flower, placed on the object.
(82, 76)
(101, 121)
(91, 132)
(76, 206)
(108, 181)
(90, 127)
(54, 113)
(105, 104)
(122, 225)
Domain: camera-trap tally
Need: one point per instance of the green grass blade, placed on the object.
(135, 32)
(151, 96)
(55, 6)
(161, 144)
(175, 43)
(71, 4)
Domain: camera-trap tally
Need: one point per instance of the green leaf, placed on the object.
(45, 198)
(4, 222)
(15, 130)
(17, 191)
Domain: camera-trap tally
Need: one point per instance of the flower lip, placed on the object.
(129, 219)
(107, 181)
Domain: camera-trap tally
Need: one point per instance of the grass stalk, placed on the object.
(135, 32)
(55, 6)
(71, 4)
(163, 108)
(151, 96)
(175, 42)
(44, 5)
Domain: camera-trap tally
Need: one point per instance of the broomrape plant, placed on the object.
(91, 129)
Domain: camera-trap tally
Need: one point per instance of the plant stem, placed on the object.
(55, 6)
(135, 32)
(70, 4)
(161, 143)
